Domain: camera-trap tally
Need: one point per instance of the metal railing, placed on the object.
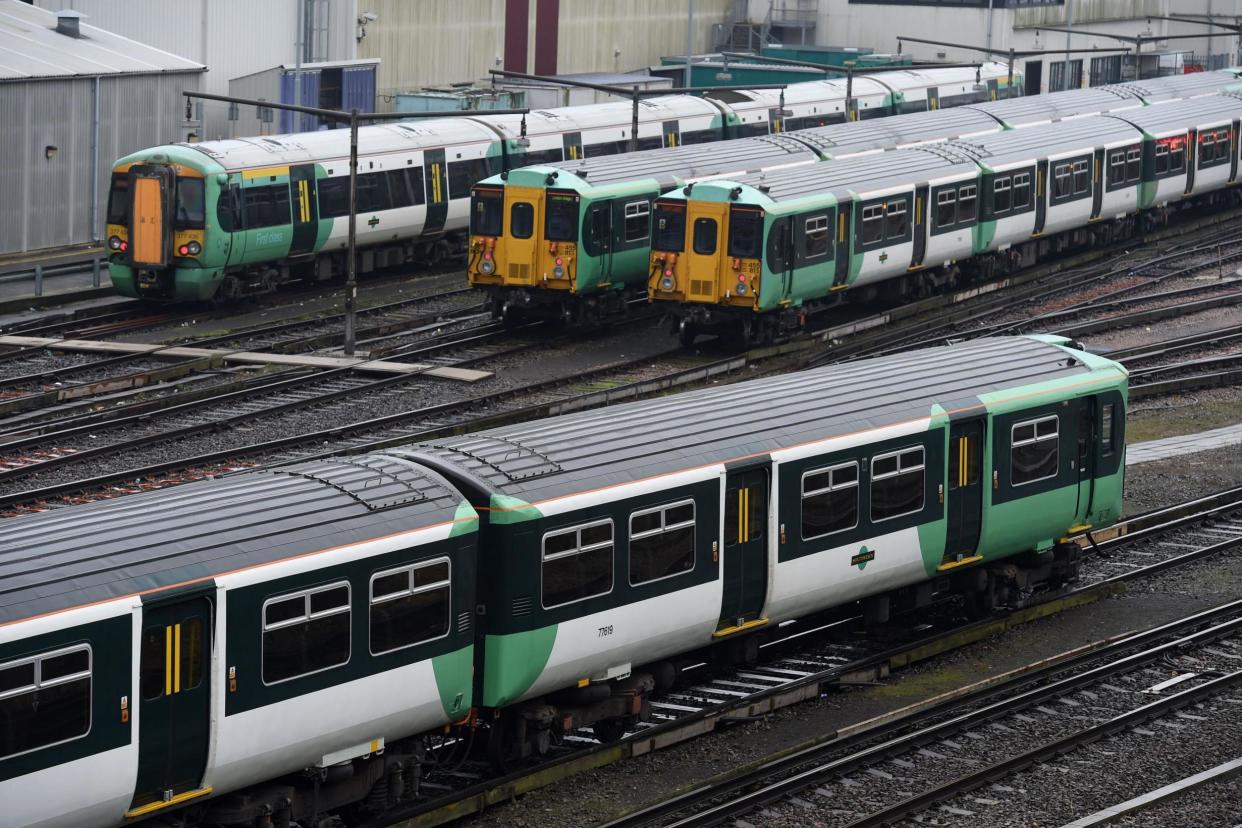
(38, 272)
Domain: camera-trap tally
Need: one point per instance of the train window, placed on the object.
(373, 193)
(966, 198)
(897, 482)
(1033, 450)
(45, 700)
(1002, 195)
(896, 220)
(1106, 429)
(409, 605)
(1134, 164)
(1021, 190)
(637, 220)
(333, 197)
(829, 500)
(745, 233)
(191, 653)
(1062, 185)
(873, 224)
(670, 228)
(118, 200)
(305, 632)
(946, 208)
(561, 220)
(816, 240)
(522, 220)
(548, 156)
(266, 206)
(1207, 149)
(487, 211)
(655, 142)
(577, 563)
(1082, 177)
(1116, 168)
(705, 236)
(191, 204)
(661, 542)
(1162, 159)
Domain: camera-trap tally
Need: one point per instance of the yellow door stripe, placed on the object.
(177, 659)
(168, 661)
(435, 183)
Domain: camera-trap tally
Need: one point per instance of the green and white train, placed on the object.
(274, 644)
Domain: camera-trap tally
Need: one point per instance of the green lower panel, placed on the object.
(512, 663)
(454, 675)
(193, 284)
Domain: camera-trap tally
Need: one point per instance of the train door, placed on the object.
(523, 223)
(920, 226)
(1233, 152)
(1097, 183)
(599, 242)
(1041, 200)
(851, 109)
(788, 236)
(776, 123)
(745, 547)
(707, 223)
(572, 145)
(150, 219)
(1192, 159)
(672, 134)
(435, 182)
(1084, 461)
(174, 702)
(933, 98)
(965, 498)
(305, 209)
(845, 212)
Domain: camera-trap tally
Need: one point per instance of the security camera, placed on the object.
(368, 17)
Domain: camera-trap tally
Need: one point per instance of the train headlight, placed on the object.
(115, 242)
(667, 283)
(558, 272)
(488, 266)
(741, 288)
(194, 248)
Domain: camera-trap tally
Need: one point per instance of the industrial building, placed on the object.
(73, 99)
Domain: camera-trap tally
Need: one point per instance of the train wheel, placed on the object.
(609, 730)
(686, 334)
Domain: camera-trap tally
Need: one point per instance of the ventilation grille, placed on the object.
(702, 289)
(520, 272)
(463, 622)
(523, 605)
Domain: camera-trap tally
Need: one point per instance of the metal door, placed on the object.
(933, 97)
(305, 209)
(851, 109)
(705, 241)
(845, 210)
(745, 547)
(672, 134)
(1041, 200)
(1097, 182)
(965, 497)
(1192, 159)
(435, 180)
(523, 229)
(599, 241)
(920, 226)
(1084, 461)
(174, 696)
(150, 236)
(782, 263)
(572, 145)
(1233, 152)
(1034, 72)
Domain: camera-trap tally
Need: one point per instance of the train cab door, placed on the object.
(1041, 199)
(435, 186)
(920, 226)
(745, 547)
(1086, 438)
(173, 702)
(1233, 151)
(672, 134)
(845, 214)
(933, 98)
(572, 145)
(1192, 159)
(599, 241)
(151, 213)
(965, 490)
(787, 236)
(1097, 183)
(851, 109)
(305, 209)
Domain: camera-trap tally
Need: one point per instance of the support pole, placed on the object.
(849, 89)
(1069, 28)
(634, 124)
(689, 39)
(351, 280)
(1138, 58)
(1009, 80)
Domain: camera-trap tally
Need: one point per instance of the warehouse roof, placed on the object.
(31, 47)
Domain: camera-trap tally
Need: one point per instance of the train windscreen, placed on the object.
(670, 227)
(561, 221)
(487, 211)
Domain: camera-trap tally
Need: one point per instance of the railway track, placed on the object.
(826, 651)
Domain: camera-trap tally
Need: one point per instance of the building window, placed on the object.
(661, 542)
(45, 700)
(1033, 450)
(829, 500)
(305, 632)
(577, 563)
(409, 605)
(897, 483)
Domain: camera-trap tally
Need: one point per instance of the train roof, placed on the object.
(1056, 106)
(584, 452)
(1181, 86)
(1048, 140)
(597, 116)
(837, 140)
(88, 554)
(1181, 115)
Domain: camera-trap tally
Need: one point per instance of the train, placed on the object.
(220, 220)
(753, 257)
(572, 240)
(280, 644)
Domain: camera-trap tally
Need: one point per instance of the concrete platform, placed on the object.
(1150, 450)
(376, 366)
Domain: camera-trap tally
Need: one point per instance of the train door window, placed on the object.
(661, 542)
(1177, 156)
(705, 236)
(966, 199)
(460, 178)
(191, 203)
(1062, 182)
(1134, 164)
(637, 220)
(45, 700)
(266, 206)
(1162, 159)
(1082, 177)
(228, 209)
(1207, 149)
(409, 605)
(561, 221)
(119, 200)
(829, 500)
(816, 240)
(946, 208)
(655, 142)
(780, 246)
(670, 228)
(745, 233)
(897, 483)
(418, 188)
(1033, 450)
(1106, 429)
(522, 220)
(1116, 168)
(305, 632)
(873, 224)
(896, 220)
(487, 211)
(577, 563)
(333, 197)
(1021, 190)
(1002, 195)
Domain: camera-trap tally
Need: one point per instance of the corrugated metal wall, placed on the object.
(47, 202)
(642, 31)
(259, 86)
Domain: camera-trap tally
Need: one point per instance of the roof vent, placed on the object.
(67, 21)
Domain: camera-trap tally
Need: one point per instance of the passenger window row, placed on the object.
(885, 221)
(45, 700)
(1071, 179)
(1125, 167)
(1214, 147)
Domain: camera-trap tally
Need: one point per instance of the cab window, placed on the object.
(487, 212)
(745, 233)
(670, 228)
(705, 236)
(561, 223)
(522, 220)
(190, 204)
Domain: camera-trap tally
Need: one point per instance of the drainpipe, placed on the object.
(988, 42)
(95, 235)
(297, 66)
